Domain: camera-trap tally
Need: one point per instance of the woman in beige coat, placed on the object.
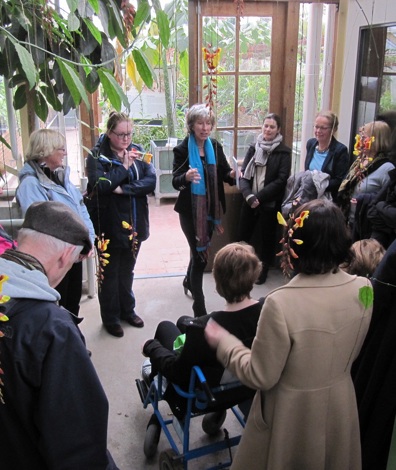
(304, 414)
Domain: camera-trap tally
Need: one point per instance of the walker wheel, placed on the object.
(151, 439)
(167, 461)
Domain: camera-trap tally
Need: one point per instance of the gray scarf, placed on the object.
(263, 150)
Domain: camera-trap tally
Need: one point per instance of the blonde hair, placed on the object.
(331, 117)
(367, 254)
(43, 143)
(382, 136)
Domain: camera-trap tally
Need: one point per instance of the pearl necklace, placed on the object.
(321, 151)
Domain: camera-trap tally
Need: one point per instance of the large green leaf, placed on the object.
(40, 105)
(95, 5)
(163, 27)
(49, 94)
(142, 13)
(116, 25)
(143, 68)
(73, 83)
(27, 64)
(112, 89)
(20, 97)
(73, 22)
(4, 142)
(184, 64)
(72, 4)
(94, 30)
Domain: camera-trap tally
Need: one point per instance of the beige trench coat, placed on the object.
(304, 415)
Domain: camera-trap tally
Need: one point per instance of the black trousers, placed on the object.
(116, 297)
(196, 265)
(265, 220)
(70, 289)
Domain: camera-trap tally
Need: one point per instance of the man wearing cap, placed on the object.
(53, 410)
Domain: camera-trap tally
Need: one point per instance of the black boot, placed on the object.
(187, 286)
(263, 275)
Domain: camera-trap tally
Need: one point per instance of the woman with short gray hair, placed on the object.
(200, 168)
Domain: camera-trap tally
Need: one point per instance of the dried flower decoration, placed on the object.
(3, 318)
(212, 59)
(360, 149)
(287, 253)
(132, 235)
(102, 245)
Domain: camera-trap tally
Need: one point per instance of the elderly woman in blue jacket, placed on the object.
(45, 178)
(325, 153)
(118, 185)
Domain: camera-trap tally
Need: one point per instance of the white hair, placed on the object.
(50, 243)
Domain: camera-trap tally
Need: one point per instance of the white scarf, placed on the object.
(264, 148)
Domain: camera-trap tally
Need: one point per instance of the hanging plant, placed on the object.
(103, 260)
(132, 235)
(3, 318)
(211, 57)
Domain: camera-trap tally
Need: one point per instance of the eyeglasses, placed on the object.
(122, 135)
(321, 128)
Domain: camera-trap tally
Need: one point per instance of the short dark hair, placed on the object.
(236, 268)
(326, 238)
(275, 117)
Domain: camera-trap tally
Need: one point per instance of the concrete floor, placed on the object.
(158, 288)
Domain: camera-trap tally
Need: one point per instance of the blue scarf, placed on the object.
(205, 194)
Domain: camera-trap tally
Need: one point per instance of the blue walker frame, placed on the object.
(201, 398)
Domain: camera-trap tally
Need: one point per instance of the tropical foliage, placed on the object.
(54, 58)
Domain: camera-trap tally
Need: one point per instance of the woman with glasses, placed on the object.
(325, 153)
(118, 185)
(44, 177)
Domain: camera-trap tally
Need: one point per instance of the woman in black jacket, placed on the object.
(199, 170)
(265, 169)
(325, 153)
(235, 269)
(118, 185)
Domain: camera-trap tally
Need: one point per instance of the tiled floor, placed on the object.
(166, 251)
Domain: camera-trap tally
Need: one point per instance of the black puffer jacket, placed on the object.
(107, 209)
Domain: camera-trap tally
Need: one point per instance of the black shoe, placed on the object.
(135, 320)
(186, 286)
(263, 277)
(115, 330)
(212, 422)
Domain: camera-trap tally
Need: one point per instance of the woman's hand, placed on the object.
(255, 203)
(118, 190)
(193, 176)
(219, 229)
(232, 174)
(214, 333)
(129, 157)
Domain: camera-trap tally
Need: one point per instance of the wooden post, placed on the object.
(89, 124)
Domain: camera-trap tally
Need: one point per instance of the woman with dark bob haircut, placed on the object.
(327, 240)
(304, 413)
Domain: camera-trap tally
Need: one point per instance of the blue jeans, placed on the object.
(116, 297)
